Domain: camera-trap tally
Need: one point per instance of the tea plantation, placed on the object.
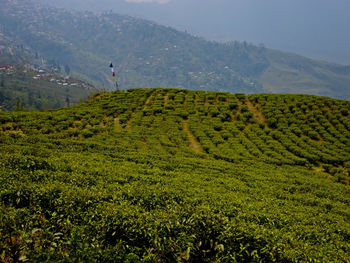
(167, 175)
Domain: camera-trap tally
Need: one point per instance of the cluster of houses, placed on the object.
(41, 74)
(63, 81)
(59, 80)
(6, 67)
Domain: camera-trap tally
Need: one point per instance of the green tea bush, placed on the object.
(173, 182)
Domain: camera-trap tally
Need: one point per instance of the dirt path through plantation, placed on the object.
(194, 143)
(257, 114)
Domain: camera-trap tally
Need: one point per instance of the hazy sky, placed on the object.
(314, 28)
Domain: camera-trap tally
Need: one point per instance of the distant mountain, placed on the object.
(148, 55)
(301, 28)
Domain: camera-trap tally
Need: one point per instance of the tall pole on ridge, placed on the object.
(114, 76)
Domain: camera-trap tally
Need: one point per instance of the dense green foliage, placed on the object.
(166, 175)
(22, 88)
(149, 55)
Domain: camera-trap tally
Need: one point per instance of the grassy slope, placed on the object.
(289, 73)
(173, 175)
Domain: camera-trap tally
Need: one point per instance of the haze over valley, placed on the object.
(314, 28)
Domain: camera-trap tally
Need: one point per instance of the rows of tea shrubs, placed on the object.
(118, 179)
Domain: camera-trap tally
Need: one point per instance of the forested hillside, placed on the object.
(23, 88)
(150, 55)
(168, 175)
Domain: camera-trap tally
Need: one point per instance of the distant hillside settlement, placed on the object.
(29, 88)
(41, 74)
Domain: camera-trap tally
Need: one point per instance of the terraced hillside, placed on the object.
(167, 175)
